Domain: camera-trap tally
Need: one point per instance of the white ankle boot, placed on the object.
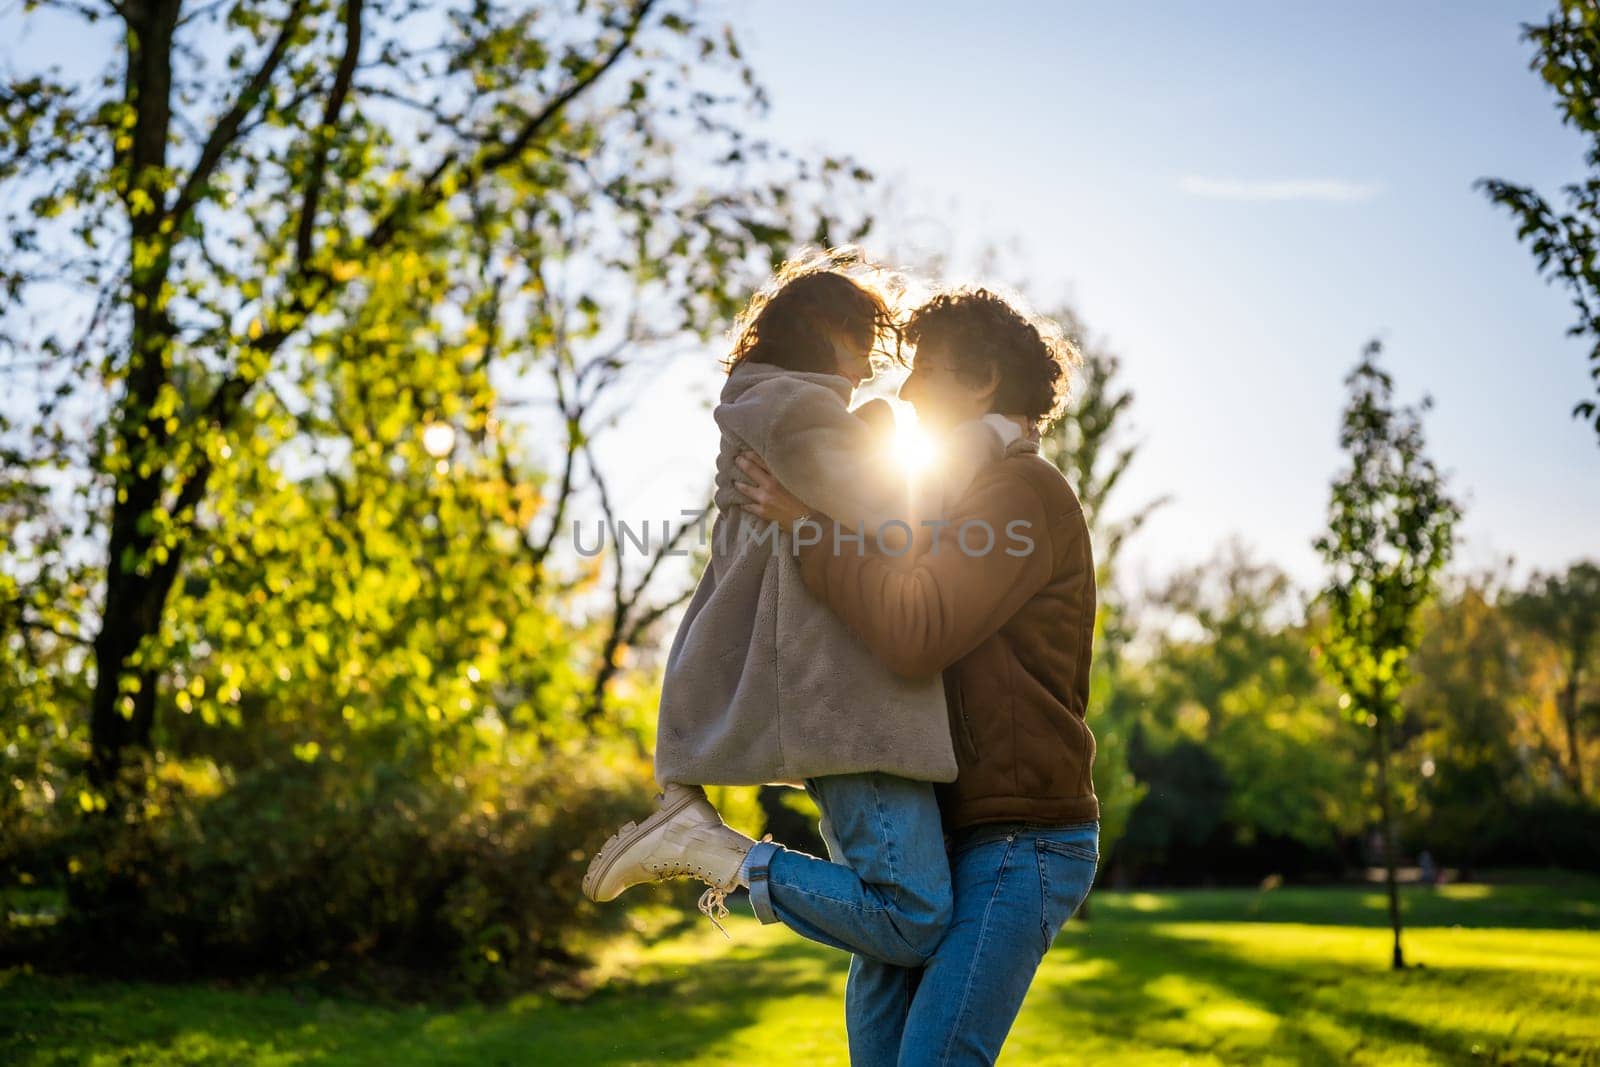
(684, 838)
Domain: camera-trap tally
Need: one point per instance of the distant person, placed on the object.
(1376, 856)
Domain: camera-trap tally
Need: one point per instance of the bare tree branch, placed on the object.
(624, 625)
(430, 191)
(325, 132)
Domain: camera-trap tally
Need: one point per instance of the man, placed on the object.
(1003, 605)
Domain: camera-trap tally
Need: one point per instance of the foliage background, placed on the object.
(319, 315)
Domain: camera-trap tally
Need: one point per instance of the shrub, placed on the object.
(1545, 832)
(470, 884)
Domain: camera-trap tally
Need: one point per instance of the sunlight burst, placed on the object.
(914, 450)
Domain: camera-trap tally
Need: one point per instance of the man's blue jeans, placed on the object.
(1015, 887)
(917, 994)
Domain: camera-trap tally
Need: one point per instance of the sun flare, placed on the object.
(913, 449)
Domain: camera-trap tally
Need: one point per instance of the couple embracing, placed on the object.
(915, 654)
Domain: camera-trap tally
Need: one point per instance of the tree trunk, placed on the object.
(1382, 739)
(1569, 713)
(136, 586)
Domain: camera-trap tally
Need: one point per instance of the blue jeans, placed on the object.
(1015, 887)
(887, 892)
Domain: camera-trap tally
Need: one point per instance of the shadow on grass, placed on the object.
(668, 1015)
(1206, 997)
(1148, 975)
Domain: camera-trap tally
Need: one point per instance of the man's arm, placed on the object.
(920, 620)
(834, 459)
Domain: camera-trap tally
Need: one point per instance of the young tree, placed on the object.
(1564, 242)
(1565, 609)
(1391, 527)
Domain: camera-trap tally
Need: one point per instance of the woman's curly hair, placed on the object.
(981, 329)
(814, 298)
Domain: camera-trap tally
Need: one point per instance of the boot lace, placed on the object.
(712, 907)
(713, 901)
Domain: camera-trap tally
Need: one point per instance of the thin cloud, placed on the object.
(1325, 189)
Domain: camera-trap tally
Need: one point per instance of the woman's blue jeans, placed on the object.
(887, 892)
(997, 894)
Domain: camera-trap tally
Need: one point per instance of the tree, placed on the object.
(1232, 671)
(1091, 445)
(1391, 528)
(206, 230)
(1469, 681)
(1565, 609)
(1564, 243)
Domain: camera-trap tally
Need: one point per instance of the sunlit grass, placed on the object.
(1509, 974)
(1252, 992)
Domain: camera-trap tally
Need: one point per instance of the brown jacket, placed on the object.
(1010, 627)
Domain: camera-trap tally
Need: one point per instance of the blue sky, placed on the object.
(1238, 196)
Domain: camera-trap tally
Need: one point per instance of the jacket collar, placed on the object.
(749, 373)
(1012, 440)
(1020, 445)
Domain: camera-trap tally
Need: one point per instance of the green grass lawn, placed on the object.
(1511, 974)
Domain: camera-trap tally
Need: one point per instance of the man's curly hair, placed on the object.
(981, 329)
(813, 298)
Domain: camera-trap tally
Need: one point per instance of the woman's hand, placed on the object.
(768, 498)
